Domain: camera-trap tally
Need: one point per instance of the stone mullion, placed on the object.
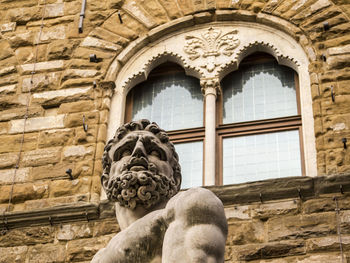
(210, 90)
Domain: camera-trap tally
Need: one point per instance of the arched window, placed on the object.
(260, 123)
(175, 102)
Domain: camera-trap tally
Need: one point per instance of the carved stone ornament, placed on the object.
(211, 44)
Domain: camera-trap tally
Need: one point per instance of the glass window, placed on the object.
(262, 156)
(259, 91)
(191, 161)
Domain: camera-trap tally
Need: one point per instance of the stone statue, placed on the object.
(158, 223)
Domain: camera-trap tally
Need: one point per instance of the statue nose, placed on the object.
(139, 150)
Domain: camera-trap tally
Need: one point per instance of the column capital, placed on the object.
(210, 86)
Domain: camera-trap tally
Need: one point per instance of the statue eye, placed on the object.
(124, 153)
(155, 153)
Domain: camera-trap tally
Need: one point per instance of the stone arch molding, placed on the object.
(211, 51)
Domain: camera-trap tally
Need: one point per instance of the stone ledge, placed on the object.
(272, 189)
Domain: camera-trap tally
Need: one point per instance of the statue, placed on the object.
(158, 223)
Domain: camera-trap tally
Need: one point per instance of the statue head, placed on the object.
(140, 166)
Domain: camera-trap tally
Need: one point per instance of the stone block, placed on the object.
(62, 96)
(267, 210)
(47, 253)
(29, 142)
(245, 232)
(76, 119)
(19, 113)
(77, 152)
(52, 33)
(237, 212)
(8, 160)
(102, 33)
(266, 251)
(13, 254)
(102, 133)
(338, 62)
(24, 14)
(4, 127)
(8, 27)
(54, 10)
(301, 226)
(77, 106)
(320, 258)
(105, 227)
(27, 236)
(119, 29)
(79, 73)
(61, 49)
(51, 171)
(30, 205)
(70, 187)
(12, 79)
(8, 89)
(17, 40)
(42, 66)
(82, 136)
(133, 8)
(22, 192)
(37, 124)
(10, 101)
(8, 176)
(100, 44)
(41, 82)
(85, 249)
(7, 70)
(74, 231)
(327, 244)
(41, 157)
(52, 138)
(5, 50)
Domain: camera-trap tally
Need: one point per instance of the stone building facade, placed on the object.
(65, 75)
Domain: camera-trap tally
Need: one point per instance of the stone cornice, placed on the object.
(303, 188)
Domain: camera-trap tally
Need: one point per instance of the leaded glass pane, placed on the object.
(173, 101)
(191, 161)
(256, 92)
(262, 156)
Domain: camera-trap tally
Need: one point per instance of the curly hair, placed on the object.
(146, 125)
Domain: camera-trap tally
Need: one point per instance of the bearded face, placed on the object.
(141, 173)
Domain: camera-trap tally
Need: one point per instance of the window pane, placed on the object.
(173, 101)
(191, 161)
(262, 156)
(258, 92)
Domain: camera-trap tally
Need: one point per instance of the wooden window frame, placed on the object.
(255, 127)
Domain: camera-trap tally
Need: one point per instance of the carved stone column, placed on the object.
(210, 90)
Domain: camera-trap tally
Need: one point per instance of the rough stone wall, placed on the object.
(49, 70)
(282, 225)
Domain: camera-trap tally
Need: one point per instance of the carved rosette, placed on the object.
(210, 86)
(209, 45)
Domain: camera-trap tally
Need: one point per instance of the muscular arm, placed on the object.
(199, 229)
(140, 242)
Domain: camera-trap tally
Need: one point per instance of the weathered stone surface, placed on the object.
(79, 73)
(19, 113)
(48, 253)
(51, 34)
(37, 124)
(327, 244)
(13, 254)
(237, 212)
(8, 27)
(42, 66)
(29, 142)
(100, 44)
(76, 119)
(68, 187)
(51, 138)
(119, 29)
(77, 106)
(301, 226)
(54, 10)
(8, 89)
(85, 249)
(41, 82)
(5, 50)
(27, 236)
(62, 96)
(7, 70)
(11, 101)
(106, 227)
(8, 176)
(8, 160)
(41, 156)
(245, 232)
(46, 203)
(61, 49)
(74, 231)
(50, 171)
(264, 211)
(77, 152)
(21, 39)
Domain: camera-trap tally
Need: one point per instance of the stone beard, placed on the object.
(145, 187)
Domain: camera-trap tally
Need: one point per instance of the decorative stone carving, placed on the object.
(210, 85)
(210, 45)
(159, 223)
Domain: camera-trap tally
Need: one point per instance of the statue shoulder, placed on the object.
(198, 206)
